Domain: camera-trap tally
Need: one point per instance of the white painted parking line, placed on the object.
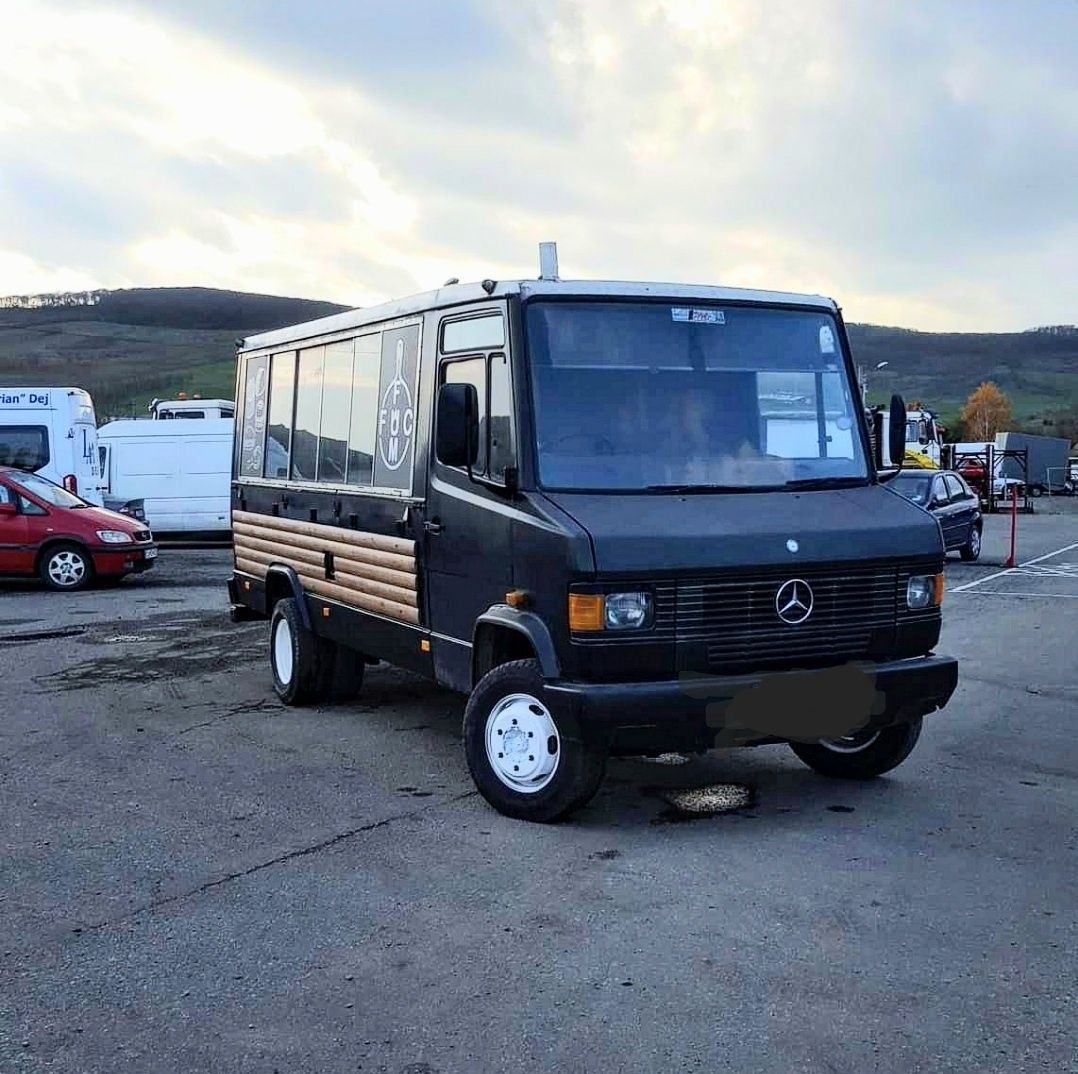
(1012, 570)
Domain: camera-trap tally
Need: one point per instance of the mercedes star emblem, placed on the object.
(793, 601)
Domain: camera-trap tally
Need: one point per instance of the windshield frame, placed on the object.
(529, 439)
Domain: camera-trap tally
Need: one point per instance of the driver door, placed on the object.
(16, 555)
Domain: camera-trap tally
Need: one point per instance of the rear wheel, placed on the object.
(527, 762)
(66, 566)
(863, 755)
(300, 661)
(971, 550)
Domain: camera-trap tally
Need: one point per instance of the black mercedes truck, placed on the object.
(623, 518)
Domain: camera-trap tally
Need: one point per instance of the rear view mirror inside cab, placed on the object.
(457, 427)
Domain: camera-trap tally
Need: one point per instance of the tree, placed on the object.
(987, 412)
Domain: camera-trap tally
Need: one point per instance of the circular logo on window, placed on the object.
(396, 417)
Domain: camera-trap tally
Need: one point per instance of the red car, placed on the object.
(48, 531)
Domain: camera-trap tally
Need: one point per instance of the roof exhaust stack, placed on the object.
(548, 260)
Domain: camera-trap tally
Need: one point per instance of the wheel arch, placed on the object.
(503, 634)
(283, 582)
(55, 539)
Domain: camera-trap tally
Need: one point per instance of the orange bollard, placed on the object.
(1009, 561)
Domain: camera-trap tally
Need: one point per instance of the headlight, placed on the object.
(924, 590)
(115, 537)
(627, 611)
(590, 612)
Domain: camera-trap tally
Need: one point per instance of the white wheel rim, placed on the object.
(282, 651)
(523, 744)
(850, 743)
(67, 568)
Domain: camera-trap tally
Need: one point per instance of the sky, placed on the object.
(918, 162)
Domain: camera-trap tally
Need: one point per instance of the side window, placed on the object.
(282, 390)
(5, 494)
(954, 487)
(336, 413)
(473, 371)
(490, 374)
(308, 414)
(28, 507)
(26, 447)
(253, 430)
(939, 491)
(502, 442)
(362, 431)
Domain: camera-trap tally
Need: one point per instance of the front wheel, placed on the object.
(527, 762)
(66, 567)
(863, 755)
(971, 550)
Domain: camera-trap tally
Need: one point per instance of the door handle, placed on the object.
(433, 527)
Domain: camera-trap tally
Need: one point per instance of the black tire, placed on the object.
(971, 550)
(304, 679)
(1036, 490)
(66, 561)
(880, 753)
(579, 767)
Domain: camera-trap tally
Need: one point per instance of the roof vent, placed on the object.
(548, 260)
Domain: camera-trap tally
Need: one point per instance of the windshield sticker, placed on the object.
(698, 316)
(827, 340)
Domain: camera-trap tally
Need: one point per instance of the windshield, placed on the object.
(913, 488)
(45, 490)
(653, 396)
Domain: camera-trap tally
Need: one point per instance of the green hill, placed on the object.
(128, 346)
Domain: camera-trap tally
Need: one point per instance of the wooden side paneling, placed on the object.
(370, 571)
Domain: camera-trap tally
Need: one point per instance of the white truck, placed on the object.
(175, 475)
(52, 432)
(923, 438)
(170, 409)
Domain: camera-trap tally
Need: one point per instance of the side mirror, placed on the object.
(7, 508)
(896, 443)
(456, 436)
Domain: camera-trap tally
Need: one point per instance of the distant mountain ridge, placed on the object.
(168, 307)
(126, 346)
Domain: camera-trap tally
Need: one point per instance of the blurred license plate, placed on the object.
(150, 553)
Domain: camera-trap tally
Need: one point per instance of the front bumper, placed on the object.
(701, 711)
(124, 559)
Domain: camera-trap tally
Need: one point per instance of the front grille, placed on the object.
(732, 622)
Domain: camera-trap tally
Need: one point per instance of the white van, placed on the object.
(52, 432)
(174, 474)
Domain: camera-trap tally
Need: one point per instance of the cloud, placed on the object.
(914, 161)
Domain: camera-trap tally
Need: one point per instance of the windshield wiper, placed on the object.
(713, 488)
(826, 483)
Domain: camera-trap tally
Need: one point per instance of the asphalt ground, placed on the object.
(195, 878)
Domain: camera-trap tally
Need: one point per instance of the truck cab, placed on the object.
(622, 517)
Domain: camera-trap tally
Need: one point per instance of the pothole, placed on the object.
(708, 801)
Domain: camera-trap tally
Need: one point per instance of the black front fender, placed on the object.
(523, 622)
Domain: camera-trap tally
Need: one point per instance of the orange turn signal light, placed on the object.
(586, 611)
(937, 592)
